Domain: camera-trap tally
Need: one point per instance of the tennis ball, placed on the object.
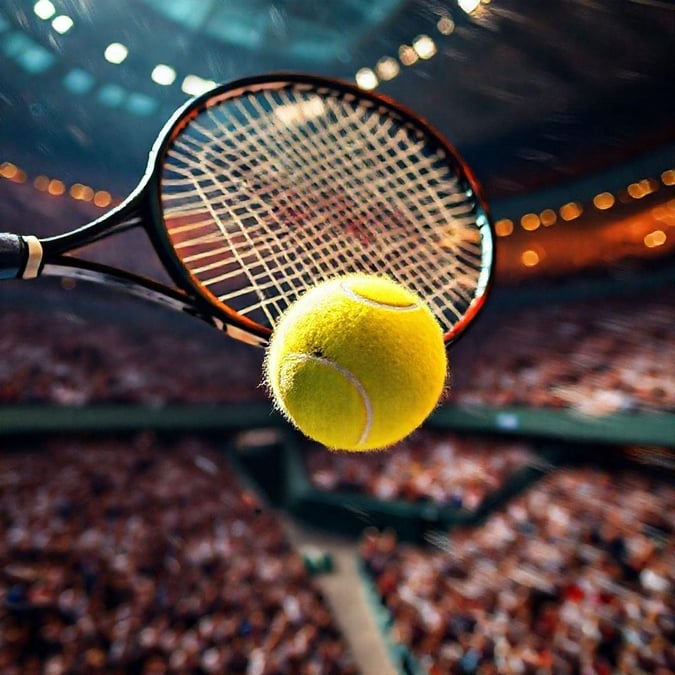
(357, 362)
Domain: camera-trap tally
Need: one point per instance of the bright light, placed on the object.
(81, 192)
(468, 5)
(366, 78)
(56, 187)
(548, 217)
(102, 198)
(445, 25)
(387, 68)
(530, 258)
(407, 55)
(655, 238)
(424, 46)
(115, 52)
(504, 227)
(603, 201)
(570, 211)
(193, 85)
(44, 9)
(300, 112)
(62, 24)
(163, 74)
(530, 222)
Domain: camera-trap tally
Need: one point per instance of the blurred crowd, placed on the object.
(138, 557)
(576, 575)
(429, 466)
(597, 357)
(150, 357)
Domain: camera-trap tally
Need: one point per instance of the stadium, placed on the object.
(159, 515)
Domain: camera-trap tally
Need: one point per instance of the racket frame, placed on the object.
(143, 208)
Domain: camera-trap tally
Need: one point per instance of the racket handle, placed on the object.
(19, 256)
(13, 254)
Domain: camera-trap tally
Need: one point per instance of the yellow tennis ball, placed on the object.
(357, 363)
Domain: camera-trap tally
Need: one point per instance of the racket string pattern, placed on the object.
(273, 190)
(259, 189)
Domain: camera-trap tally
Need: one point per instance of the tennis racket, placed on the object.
(259, 189)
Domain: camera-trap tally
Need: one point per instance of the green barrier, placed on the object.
(648, 428)
(644, 428)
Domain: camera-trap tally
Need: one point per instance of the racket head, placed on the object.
(268, 185)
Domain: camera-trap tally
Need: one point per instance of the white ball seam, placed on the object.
(353, 380)
(351, 293)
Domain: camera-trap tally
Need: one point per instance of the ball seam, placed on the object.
(354, 295)
(353, 380)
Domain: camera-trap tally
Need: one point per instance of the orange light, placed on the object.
(548, 217)
(603, 201)
(41, 183)
(81, 192)
(530, 222)
(668, 177)
(102, 198)
(655, 238)
(8, 170)
(642, 188)
(570, 211)
(504, 227)
(387, 68)
(407, 55)
(530, 258)
(56, 187)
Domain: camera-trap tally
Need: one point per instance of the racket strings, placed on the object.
(270, 193)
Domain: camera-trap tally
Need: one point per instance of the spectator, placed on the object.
(435, 466)
(575, 575)
(124, 557)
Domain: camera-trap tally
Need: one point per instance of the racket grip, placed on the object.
(13, 255)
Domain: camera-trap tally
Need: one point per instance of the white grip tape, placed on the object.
(34, 261)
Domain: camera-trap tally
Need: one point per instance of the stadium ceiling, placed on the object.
(533, 93)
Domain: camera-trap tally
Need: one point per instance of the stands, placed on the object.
(478, 574)
(575, 574)
(137, 556)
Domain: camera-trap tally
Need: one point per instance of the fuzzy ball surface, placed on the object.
(357, 363)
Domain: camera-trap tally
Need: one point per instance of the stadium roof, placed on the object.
(534, 94)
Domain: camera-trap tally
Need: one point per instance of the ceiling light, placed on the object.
(163, 74)
(62, 24)
(387, 68)
(424, 46)
(468, 5)
(407, 55)
(115, 52)
(193, 85)
(44, 9)
(445, 25)
(366, 78)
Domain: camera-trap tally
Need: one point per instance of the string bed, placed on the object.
(268, 192)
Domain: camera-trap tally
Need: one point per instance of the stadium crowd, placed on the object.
(429, 466)
(149, 357)
(575, 575)
(144, 557)
(596, 357)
